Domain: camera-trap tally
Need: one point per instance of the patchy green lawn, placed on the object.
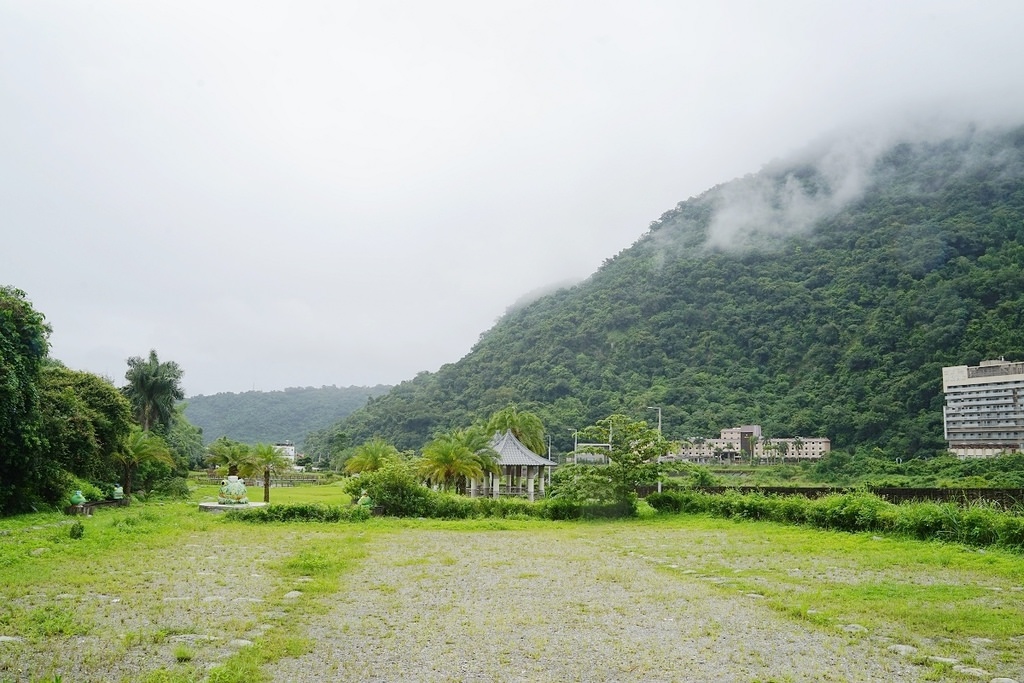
(162, 592)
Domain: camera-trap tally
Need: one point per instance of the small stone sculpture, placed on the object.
(232, 492)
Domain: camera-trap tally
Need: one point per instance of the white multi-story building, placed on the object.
(746, 444)
(984, 411)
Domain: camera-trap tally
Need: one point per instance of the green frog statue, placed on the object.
(232, 492)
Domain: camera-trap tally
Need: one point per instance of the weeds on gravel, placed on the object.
(917, 593)
(245, 666)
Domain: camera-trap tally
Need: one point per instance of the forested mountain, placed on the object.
(818, 297)
(271, 416)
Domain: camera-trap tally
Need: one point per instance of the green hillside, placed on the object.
(271, 416)
(817, 298)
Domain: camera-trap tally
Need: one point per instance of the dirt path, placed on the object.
(551, 606)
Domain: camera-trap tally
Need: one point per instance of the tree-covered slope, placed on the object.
(272, 416)
(817, 298)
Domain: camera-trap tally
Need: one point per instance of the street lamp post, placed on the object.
(659, 416)
(658, 408)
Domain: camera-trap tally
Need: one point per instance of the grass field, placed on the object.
(162, 592)
(328, 494)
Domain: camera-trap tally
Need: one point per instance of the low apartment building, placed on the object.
(747, 444)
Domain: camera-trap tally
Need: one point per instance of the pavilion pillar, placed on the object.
(529, 488)
(496, 482)
(541, 477)
(472, 487)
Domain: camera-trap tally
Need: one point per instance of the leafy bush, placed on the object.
(978, 525)
(582, 484)
(451, 506)
(924, 520)
(858, 511)
(394, 489)
(665, 502)
(562, 508)
(508, 507)
(1011, 532)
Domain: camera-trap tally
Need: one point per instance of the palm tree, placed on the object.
(371, 456)
(447, 459)
(524, 425)
(783, 448)
(478, 441)
(139, 448)
(263, 459)
(228, 453)
(152, 388)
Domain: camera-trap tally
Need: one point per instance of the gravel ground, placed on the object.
(209, 589)
(544, 606)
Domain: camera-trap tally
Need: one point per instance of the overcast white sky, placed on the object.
(305, 193)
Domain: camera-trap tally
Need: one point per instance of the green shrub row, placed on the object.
(437, 506)
(979, 524)
(448, 506)
(302, 512)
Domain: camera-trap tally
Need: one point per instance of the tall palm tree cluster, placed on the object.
(152, 389)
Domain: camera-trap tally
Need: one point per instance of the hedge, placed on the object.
(978, 524)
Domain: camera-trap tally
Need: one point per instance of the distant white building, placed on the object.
(287, 449)
(746, 444)
(984, 411)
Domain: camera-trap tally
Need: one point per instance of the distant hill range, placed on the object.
(272, 416)
(820, 296)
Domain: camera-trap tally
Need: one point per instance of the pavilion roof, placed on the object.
(512, 452)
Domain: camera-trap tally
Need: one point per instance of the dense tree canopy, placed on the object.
(276, 416)
(24, 476)
(85, 421)
(838, 328)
